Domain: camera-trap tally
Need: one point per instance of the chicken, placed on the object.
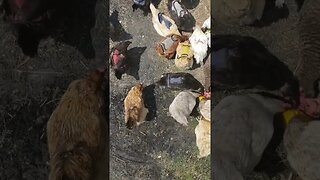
(142, 4)
(118, 58)
(77, 132)
(181, 16)
(243, 127)
(199, 44)
(184, 56)
(134, 109)
(182, 106)
(205, 108)
(184, 81)
(243, 62)
(203, 137)
(206, 28)
(302, 144)
(162, 23)
(168, 45)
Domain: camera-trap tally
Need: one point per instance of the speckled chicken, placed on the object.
(118, 58)
(162, 23)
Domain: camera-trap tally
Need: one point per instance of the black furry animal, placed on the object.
(65, 21)
(143, 5)
(31, 21)
(118, 58)
(180, 81)
(241, 62)
(182, 17)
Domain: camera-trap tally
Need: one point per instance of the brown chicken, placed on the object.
(167, 47)
(203, 137)
(134, 109)
(77, 132)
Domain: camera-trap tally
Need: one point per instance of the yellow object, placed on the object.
(289, 114)
(185, 48)
(200, 98)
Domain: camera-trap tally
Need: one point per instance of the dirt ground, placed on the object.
(30, 88)
(281, 38)
(160, 148)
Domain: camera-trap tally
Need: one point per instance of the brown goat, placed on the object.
(77, 132)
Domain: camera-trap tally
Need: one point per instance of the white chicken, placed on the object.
(302, 143)
(162, 23)
(206, 28)
(199, 44)
(243, 127)
(182, 106)
(203, 137)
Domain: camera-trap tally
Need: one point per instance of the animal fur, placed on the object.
(307, 69)
(182, 106)
(246, 11)
(134, 109)
(118, 58)
(205, 108)
(170, 51)
(302, 143)
(243, 127)
(161, 26)
(203, 137)
(184, 61)
(199, 44)
(237, 68)
(30, 20)
(206, 28)
(77, 132)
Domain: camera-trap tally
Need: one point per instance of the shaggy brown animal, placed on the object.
(77, 132)
(308, 67)
(134, 109)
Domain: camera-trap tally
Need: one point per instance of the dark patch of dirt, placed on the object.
(30, 89)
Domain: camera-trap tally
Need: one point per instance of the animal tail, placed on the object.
(132, 117)
(153, 9)
(74, 163)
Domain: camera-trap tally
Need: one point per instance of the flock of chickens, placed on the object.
(184, 49)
